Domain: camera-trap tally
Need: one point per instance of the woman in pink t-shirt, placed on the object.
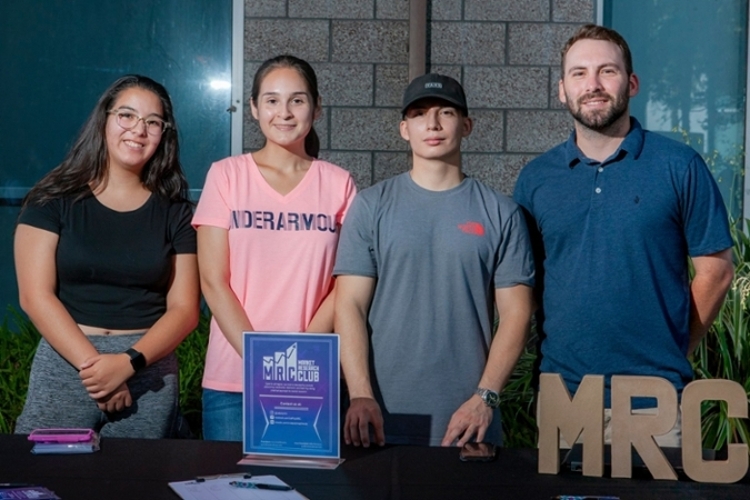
(268, 226)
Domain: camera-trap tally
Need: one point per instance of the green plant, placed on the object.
(725, 352)
(517, 402)
(191, 355)
(17, 347)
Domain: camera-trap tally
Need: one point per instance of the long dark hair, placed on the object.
(86, 163)
(312, 142)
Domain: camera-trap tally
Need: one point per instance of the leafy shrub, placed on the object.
(191, 354)
(17, 347)
(517, 401)
(725, 352)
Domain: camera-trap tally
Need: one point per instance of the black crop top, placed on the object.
(114, 268)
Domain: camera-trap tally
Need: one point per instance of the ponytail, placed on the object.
(312, 143)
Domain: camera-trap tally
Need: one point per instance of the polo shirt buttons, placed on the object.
(598, 190)
(601, 169)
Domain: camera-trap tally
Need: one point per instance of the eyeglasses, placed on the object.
(129, 120)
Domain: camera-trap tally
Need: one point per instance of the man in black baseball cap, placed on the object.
(422, 260)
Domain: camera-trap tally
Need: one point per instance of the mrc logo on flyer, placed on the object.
(284, 366)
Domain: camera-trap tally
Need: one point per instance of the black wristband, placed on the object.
(137, 359)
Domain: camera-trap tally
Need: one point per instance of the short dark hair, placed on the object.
(595, 32)
(86, 163)
(312, 142)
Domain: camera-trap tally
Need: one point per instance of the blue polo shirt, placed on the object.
(613, 240)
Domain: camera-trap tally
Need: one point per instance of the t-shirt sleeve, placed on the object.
(515, 263)
(350, 190)
(705, 219)
(355, 253)
(213, 208)
(47, 216)
(183, 233)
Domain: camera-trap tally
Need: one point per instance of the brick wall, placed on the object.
(504, 52)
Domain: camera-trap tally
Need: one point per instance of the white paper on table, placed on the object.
(219, 489)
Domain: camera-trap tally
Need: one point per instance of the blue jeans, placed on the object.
(222, 415)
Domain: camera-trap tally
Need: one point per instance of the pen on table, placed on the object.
(261, 486)
(584, 497)
(240, 475)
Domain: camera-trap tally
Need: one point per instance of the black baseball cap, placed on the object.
(436, 86)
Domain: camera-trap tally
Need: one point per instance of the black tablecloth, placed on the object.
(140, 469)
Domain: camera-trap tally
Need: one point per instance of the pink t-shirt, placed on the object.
(281, 249)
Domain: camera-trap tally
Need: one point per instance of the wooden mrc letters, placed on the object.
(583, 416)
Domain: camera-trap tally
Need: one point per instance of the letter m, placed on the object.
(268, 367)
(581, 415)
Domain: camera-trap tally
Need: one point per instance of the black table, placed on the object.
(140, 469)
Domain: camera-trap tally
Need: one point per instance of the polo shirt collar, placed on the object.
(632, 144)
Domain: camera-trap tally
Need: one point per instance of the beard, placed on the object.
(601, 119)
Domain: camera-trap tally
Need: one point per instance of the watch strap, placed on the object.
(137, 359)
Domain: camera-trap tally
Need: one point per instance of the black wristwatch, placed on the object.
(137, 359)
(490, 398)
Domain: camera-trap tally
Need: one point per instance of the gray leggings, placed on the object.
(57, 398)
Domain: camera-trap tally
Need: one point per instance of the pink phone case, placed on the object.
(61, 435)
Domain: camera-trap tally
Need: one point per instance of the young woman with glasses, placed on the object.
(107, 271)
(268, 227)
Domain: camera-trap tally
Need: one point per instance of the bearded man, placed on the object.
(616, 214)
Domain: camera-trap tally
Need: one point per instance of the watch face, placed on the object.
(137, 359)
(492, 399)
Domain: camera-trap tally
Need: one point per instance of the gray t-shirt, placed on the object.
(438, 257)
